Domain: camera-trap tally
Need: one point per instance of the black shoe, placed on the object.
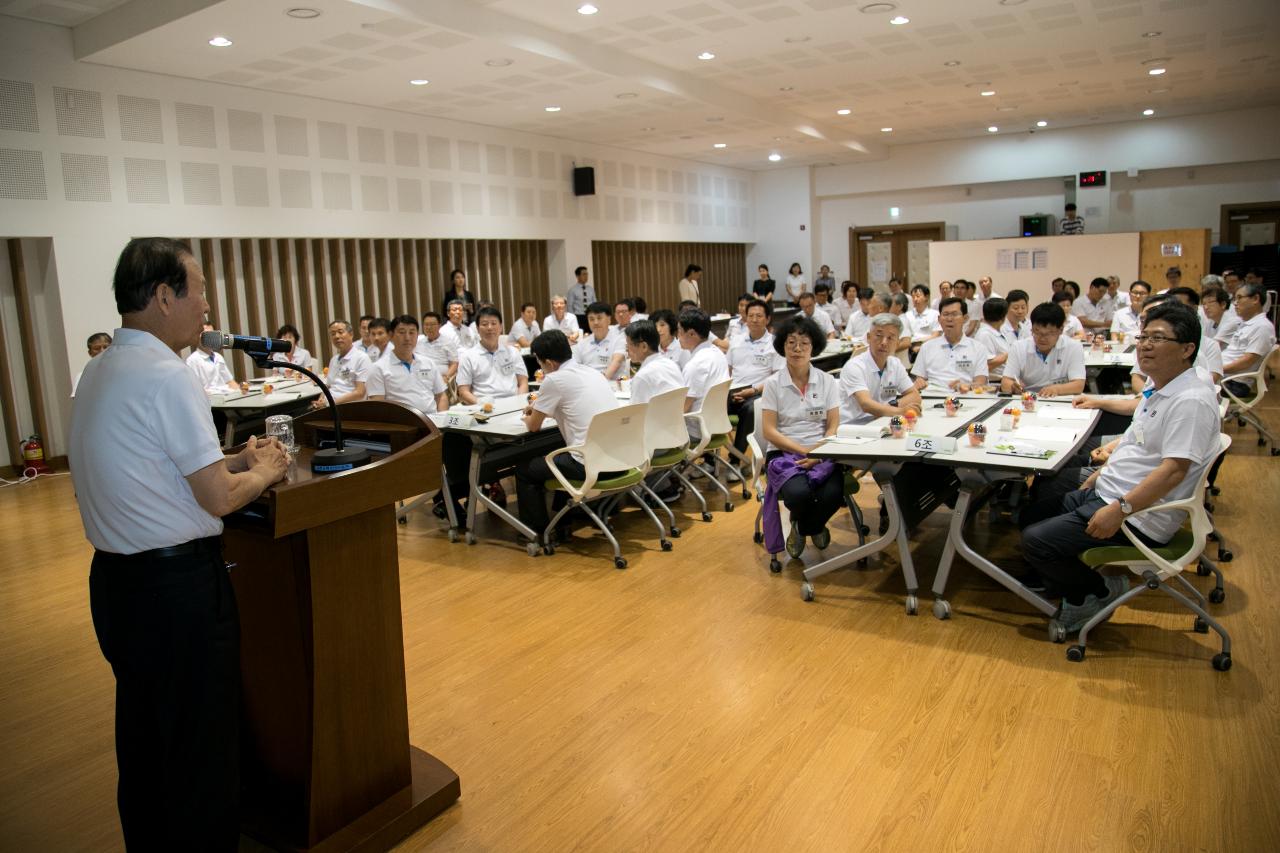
(1033, 582)
(438, 509)
(671, 495)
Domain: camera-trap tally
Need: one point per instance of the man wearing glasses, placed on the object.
(1172, 439)
(1047, 362)
(1252, 341)
(951, 361)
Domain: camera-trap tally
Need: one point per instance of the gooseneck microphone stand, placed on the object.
(328, 460)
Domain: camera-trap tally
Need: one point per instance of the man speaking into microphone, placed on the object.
(153, 483)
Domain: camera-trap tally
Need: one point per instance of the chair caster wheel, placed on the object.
(675, 533)
(1215, 491)
(548, 549)
(1222, 661)
(806, 591)
(1057, 633)
(865, 530)
(533, 549)
(913, 605)
(706, 516)
(884, 525)
(757, 537)
(728, 507)
(1200, 626)
(1275, 451)
(470, 538)
(403, 520)
(453, 535)
(1262, 442)
(941, 608)
(774, 565)
(1075, 653)
(619, 562)
(1225, 556)
(666, 545)
(1202, 570)
(746, 496)
(1217, 596)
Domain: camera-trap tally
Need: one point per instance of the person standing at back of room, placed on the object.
(152, 484)
(690, 287)
(1071, 223)
(579, 296)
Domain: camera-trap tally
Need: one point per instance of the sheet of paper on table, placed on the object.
(1060, 435)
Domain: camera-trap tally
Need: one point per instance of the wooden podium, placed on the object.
(326, 762)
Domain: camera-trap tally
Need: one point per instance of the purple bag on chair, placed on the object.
(778, 472)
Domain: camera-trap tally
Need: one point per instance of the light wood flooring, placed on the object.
(695, 702)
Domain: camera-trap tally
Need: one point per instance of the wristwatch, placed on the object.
(1125, 506)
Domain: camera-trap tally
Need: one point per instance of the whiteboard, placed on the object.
(1030, 263)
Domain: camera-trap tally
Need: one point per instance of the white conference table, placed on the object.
(286, 395)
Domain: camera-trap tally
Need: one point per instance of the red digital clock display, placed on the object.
(1093, 179)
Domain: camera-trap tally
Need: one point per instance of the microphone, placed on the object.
(218, 341)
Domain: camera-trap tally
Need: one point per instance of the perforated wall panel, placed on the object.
(409, 195)
(78, 112)
(146, 181)
(140, 119)
(291, 136)
(22, 174)
(335, 187)
(333, 140)
(201, 183)
(249, 184)
(245, 130)
(371, 144)
(86, 177)
(406, 146)
(18, 106)
(195, 126)
(374, 193)
(295, 188)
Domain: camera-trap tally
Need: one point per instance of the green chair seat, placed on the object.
(667, 458)
(718, 441)
(1107, 554)
(733, 420)
(623, 481)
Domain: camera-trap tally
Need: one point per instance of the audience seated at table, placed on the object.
(800, 407)
(822, 300)
(668, 337)
(994, 312)
(874, 384)
(656, 373)
(211, 369)
(923, 319)
(900, 307)
(489, 370)
(1219, 318)
(1094, 309)
(96, 344)
(434, 345)
(365, 339)
(951, 361)
(1253, 339)
(1048, 363)
(1125, 319)
(1071, 327)
(462, 335)
(348, 370)
(808, 305)
(525, 328)
(1172, 439)
(706, 366)
(1016, 326)
(406, 376)
(619, 366)
(737, 323)
(870, 304)
(944, 290)
(752, 359)
(597, 349)
(298, 354)
(561, 320)
(640, 308)
(846, 304)
(572, 394)
(379, 339)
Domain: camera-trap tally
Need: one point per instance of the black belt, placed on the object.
(207, 545)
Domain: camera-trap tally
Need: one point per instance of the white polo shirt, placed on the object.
(569, 325)
(442, 352)
(751, 362)
(996, 346)
(941, 362)
(1063, 363)
(491, 374)
(858, 326)
(1124, 320)
(464, 336)
(676, 353)
(211, 370)
(299, 356)
(707, 366)
(923, 323)
(521, 329)
(375, 353)
(1072, 326)
(1225, 329)
(573, 395)
(346, 371)
(1087, 310)
(1012, 333)
(1255, 335)
(832, 312)
(415, 383)
(657, 373)
(802, 417)
(140, 424)
(737, 329)
(595, 353)
(861, 374)
(1179, 421)
(822, 318)
(843, 310)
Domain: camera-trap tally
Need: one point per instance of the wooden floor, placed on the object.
(695, 702)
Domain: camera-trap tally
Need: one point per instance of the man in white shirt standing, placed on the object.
(562, 320)
(1252, 341)
(580, 295)
(406, 376)
(951, 361)
(752, 359)
(1049, 363)
(874, 384)
(210, 368)
(1092, 309)
(348, 369)
(525, 328)
(489, 369)
(809, 307)
(707, 366)
(690, 287)
(442, 351)
(1125, 320)
(572, 394)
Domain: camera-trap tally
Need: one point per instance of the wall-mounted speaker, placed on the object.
(584, 180)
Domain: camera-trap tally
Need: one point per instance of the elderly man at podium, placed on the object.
(153, 484)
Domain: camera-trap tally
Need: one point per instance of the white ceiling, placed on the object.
(1068, 62)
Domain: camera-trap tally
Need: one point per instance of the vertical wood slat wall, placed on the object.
(654, 270)
(30, 381)
(256, 284)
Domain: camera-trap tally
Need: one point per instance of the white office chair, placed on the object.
(614, 442)
(1242, 408)
(666, 438)
(1159, 566)
(712, 420)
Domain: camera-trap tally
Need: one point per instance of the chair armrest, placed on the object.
(704, 434)
(587, 482)
(1186, 505)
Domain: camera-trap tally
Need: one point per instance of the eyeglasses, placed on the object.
(951, 315)
(799, 343)
(1153, 339)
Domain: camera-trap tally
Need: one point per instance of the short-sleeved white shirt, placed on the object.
(1255, 335)
(923, 323)
(1072, 326)
(521, 329)
(464, 336)
(595, 353)
(656, 374)
(346, 371)
(737, 329)
(833, 314)
(140, 425)
(996, 346)
(1086, 310)
(491, 374)
(298, 356)
(1063, 363)
(1124, 320)
(211, 370)
(843, 309)
(1179, 421)
(942, 363)
(751, 362)
(442, 352)
(858, 326)
(802, 417)
(707, 366)
(861, 374)
(1226, 327)
(568, 325)
(676, 353)
(574, 394)
(1013, 334)
(415, 383)
(822, 318)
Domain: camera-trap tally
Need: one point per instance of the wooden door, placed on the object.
(888, 251)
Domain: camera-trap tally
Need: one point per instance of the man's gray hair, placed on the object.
(887, 319)
(1212, 281)
(885, 299)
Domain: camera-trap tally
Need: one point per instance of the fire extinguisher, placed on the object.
(33, 457)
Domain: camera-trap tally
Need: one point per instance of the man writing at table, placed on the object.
(952, 361)
(348, 369)
(1047, 363)
(1172, 439)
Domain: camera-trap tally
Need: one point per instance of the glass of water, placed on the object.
(281, 427)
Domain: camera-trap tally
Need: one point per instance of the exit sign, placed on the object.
(1093, 179)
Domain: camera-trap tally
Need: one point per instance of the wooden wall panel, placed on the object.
(209, 265)
(1194, 260)
(237, 361)
(653, 271)
(272, 286)
(252, 295)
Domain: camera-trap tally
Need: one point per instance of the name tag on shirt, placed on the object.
(761, 359)
(964, 363)
(815, 413)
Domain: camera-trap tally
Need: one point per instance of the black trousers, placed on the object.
(1053, 537)
(531, 477)
(171, 632)
(746, 412)
(811, 507)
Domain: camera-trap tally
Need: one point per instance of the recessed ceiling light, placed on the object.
(899, 20)
(706, 55)
(1042, 123)
(220, 41)
(721, 145)
(1152, 34)
(773, 158)
(587, 9)
(987, 93)
(843, 112)
(886, 130)
(419, 82)
(1148, 112)
(993, 129)
(552, 109)
(626, 96)
(877, 8)
(501, 62)
(1155, 72)
(797, 39)
(951, 63)
(302, 13)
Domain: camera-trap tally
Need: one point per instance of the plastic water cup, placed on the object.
(281, 427)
